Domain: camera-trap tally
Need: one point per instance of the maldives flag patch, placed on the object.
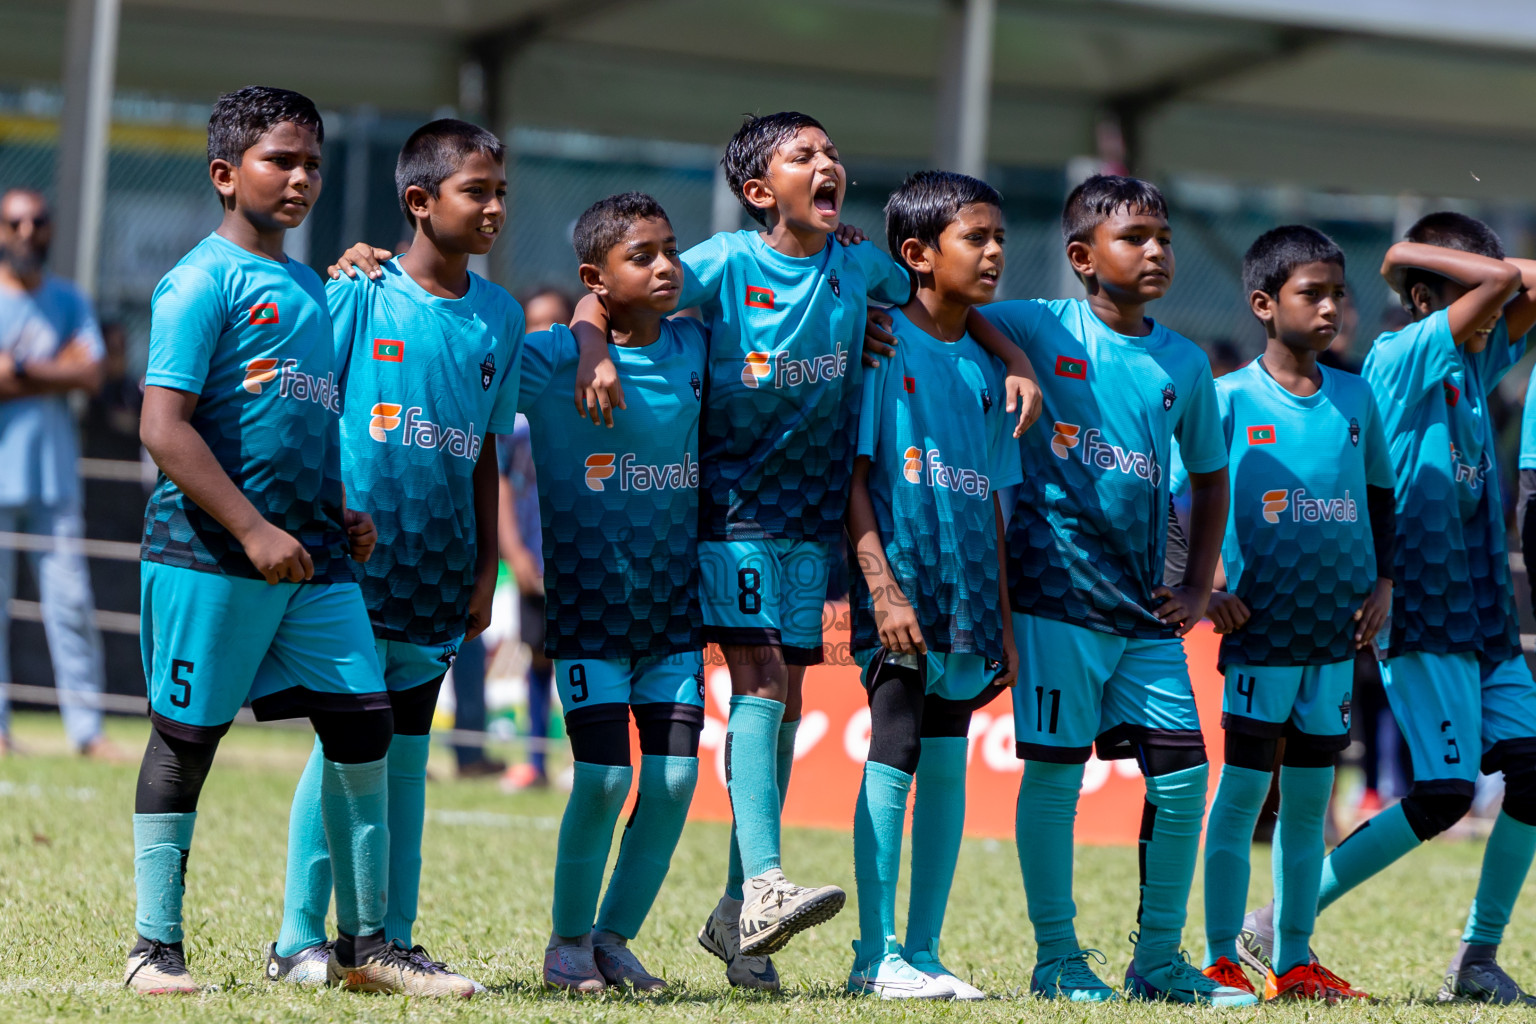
(387, 351)
(909, 384)
(1452, 393)
(759, 298)
(1264, 434)
(264, 313)
(1067, 366)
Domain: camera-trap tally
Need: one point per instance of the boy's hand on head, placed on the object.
(362, 535)
(278, 555)
(1372, 614)
(1182, 606)
(897, 624)
(478, 615)
(1227, 612)
(1024, 394)
(362, 256)
(847, 234)
(879, 342)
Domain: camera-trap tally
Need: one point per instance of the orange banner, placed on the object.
(834, 741)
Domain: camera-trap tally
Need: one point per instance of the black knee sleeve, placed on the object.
(1520, 790)
(599, 734)
(1164, 759)
(413, 709)
(172, 774)
(1256, 753)
(1303, 750)
(896, 699)
(354, 737)
(670, 730)
(1429, 814)
(952, 718)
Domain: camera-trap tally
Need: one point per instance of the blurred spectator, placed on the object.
(49, 346)
(1224, 357)
(112, 418)
(469, 711)
(546, 307)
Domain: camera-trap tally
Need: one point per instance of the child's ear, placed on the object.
(418, 202)
(592, 280)
(757, 192)
(1263, 306)
(222, 174)
(1421, 298)
(914, 255)
(1080, 256)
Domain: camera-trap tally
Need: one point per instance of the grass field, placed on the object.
(66, 910)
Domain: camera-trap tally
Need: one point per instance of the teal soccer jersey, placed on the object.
(1086, 538)
(425, 379)
(939, 444)
(1298, 549)
(252, 339)
(781, 398)
(619, 507)
(1452, 587)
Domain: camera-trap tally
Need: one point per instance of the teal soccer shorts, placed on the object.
(675, 679)
(407, 666)
(765, 593)
(1280, 700)
(957, 677)
(211, 642)
(1458, 716)
(1078, 687)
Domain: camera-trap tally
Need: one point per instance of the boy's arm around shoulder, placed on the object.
(895, 618)
(1022, 385)
(598, 391)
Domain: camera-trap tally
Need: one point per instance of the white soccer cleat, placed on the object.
(775, 910)
(158, 969)
(721, 937)
(890, 977)
(926, 961)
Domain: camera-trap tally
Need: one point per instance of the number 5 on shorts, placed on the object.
(178, 669)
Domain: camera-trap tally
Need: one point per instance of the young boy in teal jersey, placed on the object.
(247, 591)
(1308, 559)
(619, 511)
(785, 308)
(931, 627)
(429, 353)
(1455, 676)
(1085, 568)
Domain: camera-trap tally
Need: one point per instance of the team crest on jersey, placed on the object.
(837, 290)
(698, 389)
(1354, 432)
(1169, 396)
(259, 372)
(912, 467)
(487, 371)
(1452, 393)
(986, 400)
(1275, 502)
(264, 313)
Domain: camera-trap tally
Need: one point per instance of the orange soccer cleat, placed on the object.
(1225, 972)
(1311, 981)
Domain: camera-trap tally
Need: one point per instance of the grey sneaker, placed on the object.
(1256, 941)
(619, 966)
(306, 968)
(775, 910)
(158, 968)
(1474, 975)
(721, 937)
(572, 968)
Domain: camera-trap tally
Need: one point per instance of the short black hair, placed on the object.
(927, 202)
(1449, 230)
(1274, 256)
(242, 117)
(748, 153)
(607, 221)
(1101, 197)
(436, 151)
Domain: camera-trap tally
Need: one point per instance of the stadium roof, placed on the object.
(1379, 96)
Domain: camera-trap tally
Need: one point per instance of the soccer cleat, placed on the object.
(395, 969)
(721, 937)
(573, 968)
(1225, 972)
(619, 966)
(1070, 977)
(775, 910)
(1475, 976)
(1182, 982)
(926, 961)
(307, 967)
(1310, 980)
(890, 977)
(424, 961)
(158, 968)
(1256, 940)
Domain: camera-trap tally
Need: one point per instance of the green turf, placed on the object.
(66, 910)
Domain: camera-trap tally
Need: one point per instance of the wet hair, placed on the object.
(751, 149)
(1101, 197)
(607, 221)
(927, 202)
(1448, 230)
(1274, 256)
(436, 151)
(242, 117)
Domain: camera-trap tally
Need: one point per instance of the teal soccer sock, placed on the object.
(751, 774)
(354, 801)
(1176, 804)
(586, 833)
(938, 819)
(160, 846)
(307, 885)
(645, 853)
(879, 817)
(1506, 860)
(1368, 849)
(1298, 861)
(407, 810)
(1228, 842)
(1043, 823)
(786, 763)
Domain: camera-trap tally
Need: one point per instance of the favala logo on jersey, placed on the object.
(1465, 472)
(783, 372)
(292, 382)
(421, 432)
(759, 365)
(635, 475)
(912, 468)
(1098, 453)
(1275, 502)
(1309, 510)
(259, 372)
(956, 478)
